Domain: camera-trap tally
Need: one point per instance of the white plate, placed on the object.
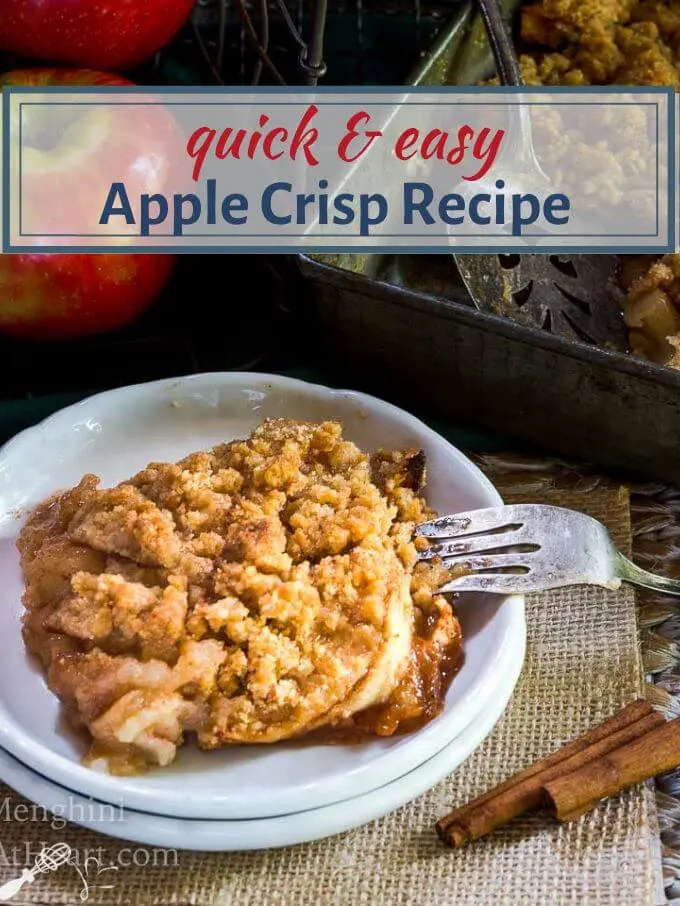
(117, 433)
(263, 833)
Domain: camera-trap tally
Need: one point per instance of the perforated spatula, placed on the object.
(575, 296)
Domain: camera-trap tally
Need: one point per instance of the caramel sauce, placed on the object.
(418, 697)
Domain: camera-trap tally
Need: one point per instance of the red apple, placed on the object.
(110, 34)
(62, 297)
(71, 155)
(65, 297)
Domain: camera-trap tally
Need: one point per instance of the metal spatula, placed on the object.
(531, 547)
(575, 296)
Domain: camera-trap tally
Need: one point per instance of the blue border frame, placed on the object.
(304, 92)
(5, 163)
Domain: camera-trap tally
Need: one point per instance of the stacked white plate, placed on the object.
(248, 797)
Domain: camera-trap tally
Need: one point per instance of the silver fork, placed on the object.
(530, 547)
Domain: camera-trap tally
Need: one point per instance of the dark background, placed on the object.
(224, 311)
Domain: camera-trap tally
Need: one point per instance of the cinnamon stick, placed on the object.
(524, 791)
(576, 793)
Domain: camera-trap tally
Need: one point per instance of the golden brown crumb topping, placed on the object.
(258, 591)
(601, 42)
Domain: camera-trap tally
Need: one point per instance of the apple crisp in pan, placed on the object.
(262, 590)
(617, 42)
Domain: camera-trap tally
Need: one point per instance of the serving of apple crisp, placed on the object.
(255, 592)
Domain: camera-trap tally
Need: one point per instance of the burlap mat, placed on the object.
(582, 664)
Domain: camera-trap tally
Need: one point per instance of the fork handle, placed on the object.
(630, 572)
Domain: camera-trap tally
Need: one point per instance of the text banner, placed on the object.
(339, 170)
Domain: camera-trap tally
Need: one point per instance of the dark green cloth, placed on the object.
(16, 415)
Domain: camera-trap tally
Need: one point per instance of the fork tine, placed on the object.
(493, 561)
(501, 583)
(471, 523)
(472, 545)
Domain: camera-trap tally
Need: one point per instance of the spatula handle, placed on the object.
(501, 43)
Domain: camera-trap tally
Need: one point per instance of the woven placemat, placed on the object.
(583, 663)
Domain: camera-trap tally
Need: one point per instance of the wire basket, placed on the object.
(238, 316)
(307, 41)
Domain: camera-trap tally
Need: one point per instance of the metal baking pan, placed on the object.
(408, 319)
